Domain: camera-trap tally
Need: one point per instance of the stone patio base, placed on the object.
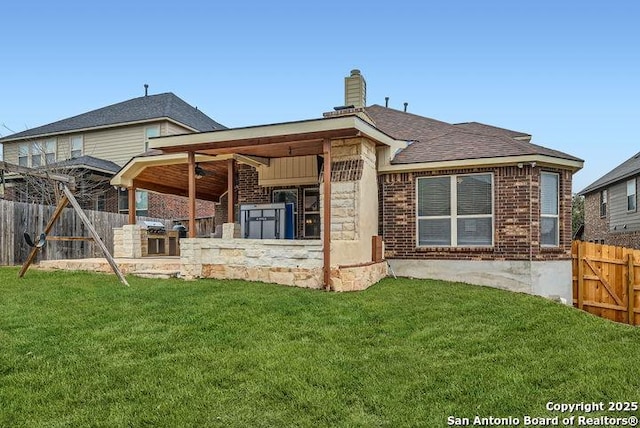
(344, 278)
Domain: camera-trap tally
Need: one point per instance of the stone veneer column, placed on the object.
(354, 200)
(129, 241)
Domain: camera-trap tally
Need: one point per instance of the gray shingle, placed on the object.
(436, 141)
(88, 162)
(626, 169)
(150, 107)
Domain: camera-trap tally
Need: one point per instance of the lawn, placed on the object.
(79, 349)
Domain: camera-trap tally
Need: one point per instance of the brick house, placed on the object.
(611, 206)
(467, 202)
(97, 143)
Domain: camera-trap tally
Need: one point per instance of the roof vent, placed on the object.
(405, 107)
(146, 89)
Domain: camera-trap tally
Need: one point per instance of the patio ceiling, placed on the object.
(166, 169)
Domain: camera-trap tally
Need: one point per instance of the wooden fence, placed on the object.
(17, 218)
(605, 281)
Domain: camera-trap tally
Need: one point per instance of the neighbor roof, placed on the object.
(626, 169)
(436, 141)
(88, 162)
(139, 109)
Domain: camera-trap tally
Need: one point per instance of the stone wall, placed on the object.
(354, 200)
(129, 241)
(287, 262)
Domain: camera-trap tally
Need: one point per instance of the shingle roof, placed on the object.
(88, 162)
(436, 141)
(626, 169)
(150, 107)
(485, 129)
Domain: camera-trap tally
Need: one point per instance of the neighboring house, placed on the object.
(611, 206)
(467, 202)
(101, 139)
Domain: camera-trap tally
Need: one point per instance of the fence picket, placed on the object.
(605, 278)
(19, 217)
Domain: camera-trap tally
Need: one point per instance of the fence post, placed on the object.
(580, 275)
(631, 298)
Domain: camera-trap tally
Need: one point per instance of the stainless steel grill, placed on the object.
(153, 227)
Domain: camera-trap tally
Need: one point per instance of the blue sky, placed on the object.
(567, 72)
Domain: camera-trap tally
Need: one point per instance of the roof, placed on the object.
(626, 169)
(139, 109)
(482, 128)
(88, 162)
(436, 141)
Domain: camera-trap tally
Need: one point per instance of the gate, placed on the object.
(604, 281)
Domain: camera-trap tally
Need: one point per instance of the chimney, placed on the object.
(355, 90)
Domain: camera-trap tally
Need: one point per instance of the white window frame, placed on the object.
(24, 152)
(72, 149)
(453, 216)
(632, 193)
(603, 203)
(49, 147)
(35, 151)
(147, 136)
(555, 216)
(141, 196)
(310, 212)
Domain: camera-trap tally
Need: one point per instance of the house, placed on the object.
(611, 206)
(369, 185)
(98, 143)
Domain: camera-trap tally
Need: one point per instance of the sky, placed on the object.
(567, 72)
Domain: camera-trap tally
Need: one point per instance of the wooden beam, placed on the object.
(94, 234)
(17, 169)
(32, 255)
(69, 238)
(192, 193)
(132, 205)
(580, 275)
(326, 220)
(172, 190)
(230, 198)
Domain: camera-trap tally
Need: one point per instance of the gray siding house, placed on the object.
(611, 206)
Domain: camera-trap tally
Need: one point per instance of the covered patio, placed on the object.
(338, 154)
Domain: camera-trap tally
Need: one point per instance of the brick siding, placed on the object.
(596, 228)
(177, 207)
(516, 196)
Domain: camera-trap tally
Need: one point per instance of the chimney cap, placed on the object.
(355, 72)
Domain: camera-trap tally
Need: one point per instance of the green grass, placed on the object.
(79, 349)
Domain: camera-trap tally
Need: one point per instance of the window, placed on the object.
(549, 203)
(23, 154)
(312, 213)
(100, 202)
(49, 149)
(631, 195)
(36, 155)
(603, 203)
(149, 132)
(142, 202)
(288, 196)
(455, 211)
(77, 146)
